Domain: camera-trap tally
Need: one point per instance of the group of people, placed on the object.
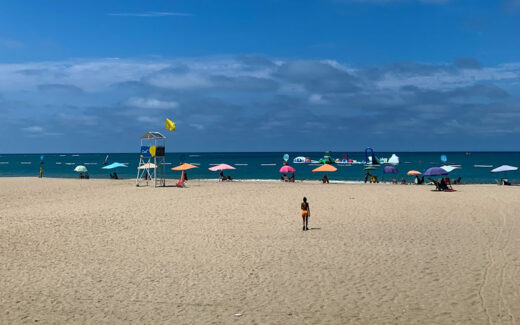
(402, 181)
(445, 184)
(86, 176)
(505, 181)
(371, 178)
(224, 178)
(114, 176)
(284, 178)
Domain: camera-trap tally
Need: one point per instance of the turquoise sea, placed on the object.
(261, 165)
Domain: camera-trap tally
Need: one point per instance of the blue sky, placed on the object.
(92, 76)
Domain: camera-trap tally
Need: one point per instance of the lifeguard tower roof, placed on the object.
(153, 135)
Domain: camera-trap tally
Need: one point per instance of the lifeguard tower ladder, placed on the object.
(151, 160)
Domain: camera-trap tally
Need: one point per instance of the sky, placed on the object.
(271, 75)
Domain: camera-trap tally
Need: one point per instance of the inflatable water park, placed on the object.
(370, 159)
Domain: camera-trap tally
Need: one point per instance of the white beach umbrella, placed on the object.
(449, 169)
(504, 168)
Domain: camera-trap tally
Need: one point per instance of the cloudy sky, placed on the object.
(271, 75)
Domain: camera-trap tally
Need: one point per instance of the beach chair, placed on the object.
(437, 184)
(180, 183)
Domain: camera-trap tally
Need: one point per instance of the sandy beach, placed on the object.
(107, 252)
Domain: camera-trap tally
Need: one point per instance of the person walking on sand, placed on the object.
(41, 172)
(306, 213)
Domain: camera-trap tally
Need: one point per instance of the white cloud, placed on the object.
(9, 43)
(197, 126)
(317, 99)
(179, 81)
(151, 103)
(398, 1)
(148, 119)
(151, 14)
(445, 80)
(33, 129)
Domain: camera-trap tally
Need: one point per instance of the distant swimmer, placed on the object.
(306, 213)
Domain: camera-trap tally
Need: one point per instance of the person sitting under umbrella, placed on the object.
(222, 177)
(291, 179)
(325, 179)
(443, 185)
(504, 181)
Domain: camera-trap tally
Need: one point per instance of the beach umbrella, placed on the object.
(221, 167)
(147, 166)
(184, 166)
(504, 168)
(114, 165)
(449, 169)
(390, 170)
(325, 168)
(80, 169)
(287, 169)
(435, 171)
(413, 173)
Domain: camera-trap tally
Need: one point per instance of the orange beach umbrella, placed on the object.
(184, 166)
(325, 168)
(413, 173)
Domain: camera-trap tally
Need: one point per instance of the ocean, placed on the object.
(262, 165)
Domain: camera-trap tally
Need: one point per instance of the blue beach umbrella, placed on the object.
(390, 170)
(435, 171)
(114, 165)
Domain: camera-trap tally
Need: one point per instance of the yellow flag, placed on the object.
(170, 125)
(152, 151)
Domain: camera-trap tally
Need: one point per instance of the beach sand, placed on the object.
(106, 252)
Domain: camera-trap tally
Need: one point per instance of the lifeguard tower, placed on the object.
(151, 160)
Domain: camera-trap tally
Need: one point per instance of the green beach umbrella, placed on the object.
(80, 169)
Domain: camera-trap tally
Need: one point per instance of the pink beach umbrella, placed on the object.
(287, 169)
(221, 167)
